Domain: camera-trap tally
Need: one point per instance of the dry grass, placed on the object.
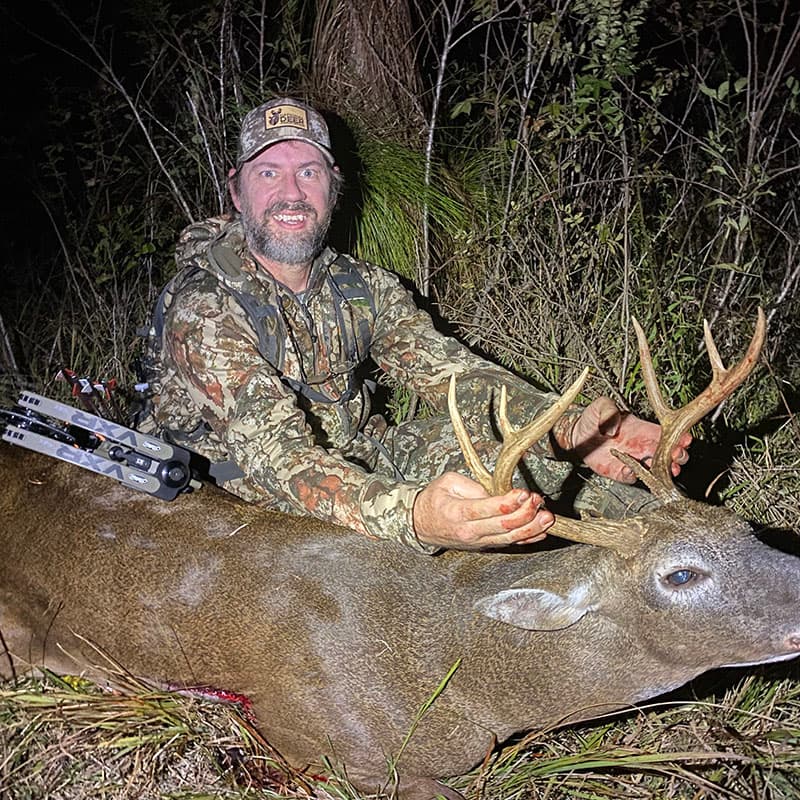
(743, 744)
(765, 479)
(69, 740)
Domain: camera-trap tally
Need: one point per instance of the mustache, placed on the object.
(299, 205)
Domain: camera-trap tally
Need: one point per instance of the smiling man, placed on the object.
(257, 353)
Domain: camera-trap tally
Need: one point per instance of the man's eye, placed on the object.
(267, 173)
(308, 173)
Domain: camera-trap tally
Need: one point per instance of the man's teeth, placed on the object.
(290, 217)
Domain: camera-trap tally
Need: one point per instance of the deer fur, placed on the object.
(339, 641)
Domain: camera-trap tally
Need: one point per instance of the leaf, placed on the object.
(464, 107)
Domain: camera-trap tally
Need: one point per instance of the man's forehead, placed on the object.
(289, 151)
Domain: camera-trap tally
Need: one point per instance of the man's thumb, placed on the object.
(607, 416)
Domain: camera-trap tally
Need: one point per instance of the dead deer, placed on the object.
(339, 641)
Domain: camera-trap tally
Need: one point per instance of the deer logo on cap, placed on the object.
(287, 116)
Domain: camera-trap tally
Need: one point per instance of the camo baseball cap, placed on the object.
(279, 120)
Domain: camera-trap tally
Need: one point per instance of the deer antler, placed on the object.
(676, 422)
(515, 440)
(623, 535)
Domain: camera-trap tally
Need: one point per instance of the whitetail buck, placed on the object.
(339, 641)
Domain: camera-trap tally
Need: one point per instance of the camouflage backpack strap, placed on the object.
(204, 248)
(269, 345)
(149, 363)
(350, 287)
(223, 262)
(265, 318)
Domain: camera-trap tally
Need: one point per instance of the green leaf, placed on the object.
(464, 107)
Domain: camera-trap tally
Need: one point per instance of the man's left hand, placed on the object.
(602, 427)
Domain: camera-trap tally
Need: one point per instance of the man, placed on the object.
(259, 340)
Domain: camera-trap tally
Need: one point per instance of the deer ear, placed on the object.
(538, 609)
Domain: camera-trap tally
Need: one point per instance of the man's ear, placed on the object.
(232, 188)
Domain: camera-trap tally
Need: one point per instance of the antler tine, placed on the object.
(624, 536)
(517, 440)
(675, 422)
(482, 475)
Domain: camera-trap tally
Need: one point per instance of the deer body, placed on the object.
(338, 641)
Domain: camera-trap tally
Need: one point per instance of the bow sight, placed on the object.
(140, 462)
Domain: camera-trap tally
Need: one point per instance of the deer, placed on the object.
(339, 642)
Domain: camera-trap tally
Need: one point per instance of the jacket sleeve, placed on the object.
(408, 347)
(213, 353)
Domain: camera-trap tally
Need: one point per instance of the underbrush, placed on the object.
(725, 736)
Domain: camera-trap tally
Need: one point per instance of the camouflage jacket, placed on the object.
(215, 387)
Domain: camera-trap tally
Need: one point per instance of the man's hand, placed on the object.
(455, 512)
(603, 427)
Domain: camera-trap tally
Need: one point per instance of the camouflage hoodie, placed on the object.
(298, 454)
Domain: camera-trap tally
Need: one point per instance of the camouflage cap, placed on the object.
(279, 120)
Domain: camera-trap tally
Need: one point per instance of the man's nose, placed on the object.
(291, 189)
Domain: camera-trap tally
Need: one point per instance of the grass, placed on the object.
(741, 745)
(765, 478)
(68, 739)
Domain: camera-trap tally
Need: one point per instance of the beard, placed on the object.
(285, 247)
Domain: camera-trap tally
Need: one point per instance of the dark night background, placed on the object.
(34, 70)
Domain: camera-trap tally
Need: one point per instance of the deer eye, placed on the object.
(681, 577)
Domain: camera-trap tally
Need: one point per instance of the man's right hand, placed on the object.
(456, 513)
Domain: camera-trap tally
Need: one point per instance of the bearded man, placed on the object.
(259, 343)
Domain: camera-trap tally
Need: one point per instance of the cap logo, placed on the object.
(290, 116)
